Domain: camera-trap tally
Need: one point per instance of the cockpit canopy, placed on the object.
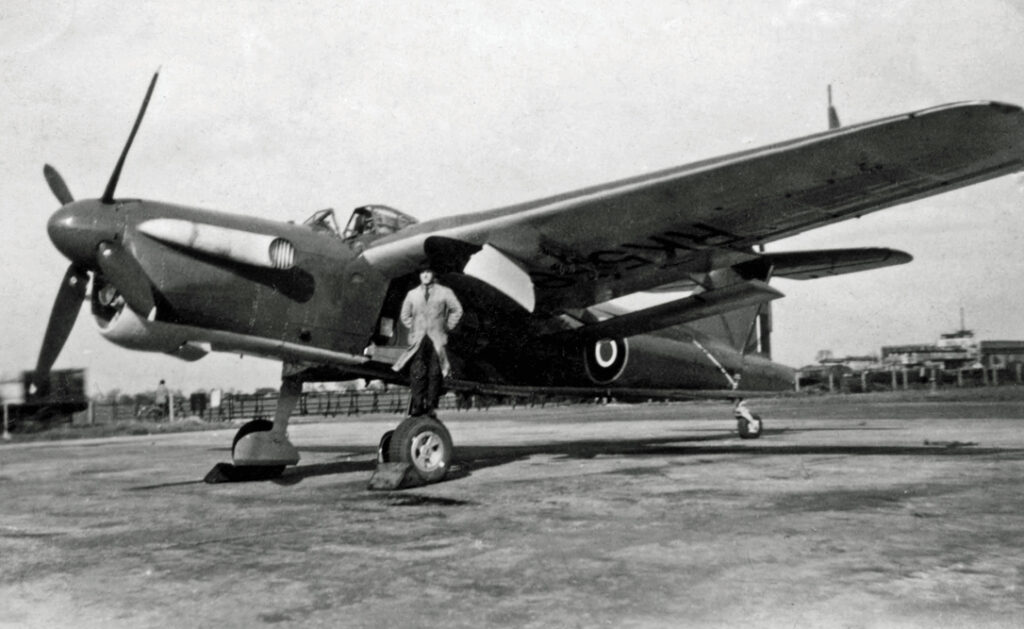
(376, 220)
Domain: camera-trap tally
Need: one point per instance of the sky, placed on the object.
(277, 110)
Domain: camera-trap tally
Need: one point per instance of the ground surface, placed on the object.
(866, 514)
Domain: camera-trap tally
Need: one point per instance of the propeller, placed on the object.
(84, 232)
(833, 116)
(123, 271)
(108, 194)
(62, 319)
(57, 185)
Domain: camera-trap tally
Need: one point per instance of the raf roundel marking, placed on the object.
(605, 359)
(602, 347)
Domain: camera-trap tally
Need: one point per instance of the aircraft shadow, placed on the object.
(475, 458)
(469, 459)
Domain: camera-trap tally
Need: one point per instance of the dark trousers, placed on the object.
(424, 379)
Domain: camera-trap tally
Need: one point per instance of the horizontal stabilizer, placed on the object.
(813, 264)
(809, 265)
(690, 308)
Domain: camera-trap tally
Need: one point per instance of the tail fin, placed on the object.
(746, 329)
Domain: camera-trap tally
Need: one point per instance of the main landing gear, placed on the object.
(422, 444)
(263, 447)
(419, 451)
(749, 424)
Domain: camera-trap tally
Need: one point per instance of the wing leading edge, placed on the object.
(590, 245)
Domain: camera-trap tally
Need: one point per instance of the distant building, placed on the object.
(955, 350)
(851, 363)
(1001, 354)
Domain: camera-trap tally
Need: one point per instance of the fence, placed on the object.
(847, 381)
(396, 399)
(318, 404)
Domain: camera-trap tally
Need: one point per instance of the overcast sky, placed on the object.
(278, 109)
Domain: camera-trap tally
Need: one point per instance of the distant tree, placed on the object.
(823, 355)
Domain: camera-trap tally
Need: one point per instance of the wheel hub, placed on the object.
(427, 451)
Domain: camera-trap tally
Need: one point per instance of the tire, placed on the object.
(383, 453)
(425, 444)
(750, 429)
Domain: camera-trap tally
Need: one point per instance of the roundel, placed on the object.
(605, 359)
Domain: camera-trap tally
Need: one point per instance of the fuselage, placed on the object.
(232, 283)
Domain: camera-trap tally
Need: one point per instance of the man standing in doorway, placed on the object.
(430, 311)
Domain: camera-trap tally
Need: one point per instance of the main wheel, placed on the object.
(257, 425)
(750, 428)
(424, 443)
(383, 448)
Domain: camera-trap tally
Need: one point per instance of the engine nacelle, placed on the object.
(122, 326)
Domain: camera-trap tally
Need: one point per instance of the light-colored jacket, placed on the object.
(434, 318)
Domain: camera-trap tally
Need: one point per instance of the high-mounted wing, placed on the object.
(588, 246)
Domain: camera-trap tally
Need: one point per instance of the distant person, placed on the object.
(162, 399)
(430, 311)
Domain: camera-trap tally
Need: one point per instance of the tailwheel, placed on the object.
(425, 444)
(749, 424)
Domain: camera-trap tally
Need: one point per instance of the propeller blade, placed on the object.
(62, 319)
(57, 185)
(123, 271)
(833, 116)
(108, 194)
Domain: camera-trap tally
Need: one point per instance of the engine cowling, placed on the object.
(122, 326)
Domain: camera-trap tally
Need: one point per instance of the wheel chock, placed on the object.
(228, 473)
(390, 476)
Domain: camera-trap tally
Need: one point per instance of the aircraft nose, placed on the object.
(77, 229)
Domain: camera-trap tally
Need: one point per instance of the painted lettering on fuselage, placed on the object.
(662, 250)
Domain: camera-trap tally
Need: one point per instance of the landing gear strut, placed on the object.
(749, 424)
(263, 444)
